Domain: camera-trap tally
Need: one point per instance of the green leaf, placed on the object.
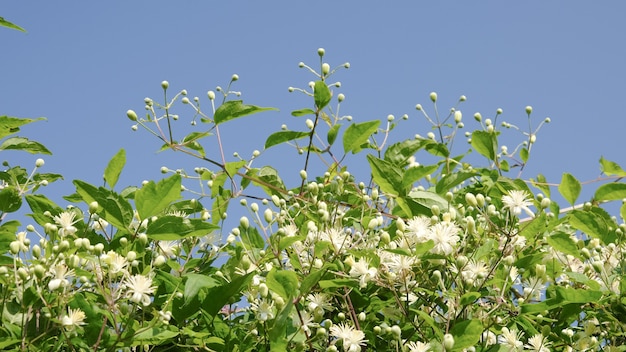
(428, 199)
(218, 297)
(622, 211)
(10, 125)
(312, 279)
(469, 298)
(568, 295)
(234, 109)
(541, 183)
(302, 112)
(284, 136)
(591, 223)
(10, 200)
(321, 95)
(115, 208)
(564, 243)
(416, 173)
(523, 154)
(332, 134)
(485, 143)
(357, 134)
(24, 144)
(194, 283)
(569, 188)
(8, 24)
(611, 168)
(610, 191)
(154, 335)
(399, 153)
(386, 175)
(114, 168)
(283, 282)
(39, 204)
(466, 334)
(338, 283)
(171, 228)
(152, 199)
(452, 180)
(277, 335)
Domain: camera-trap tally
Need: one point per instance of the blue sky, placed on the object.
(83, 64)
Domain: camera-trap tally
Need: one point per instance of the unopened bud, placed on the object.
(131, 115)
(433, 96)
(165, 84)
(321, 51)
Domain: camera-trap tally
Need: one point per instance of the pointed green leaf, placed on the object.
(357, 134)
(592, 224)
(152, 199)
(611, 168)
(39, 204)
(564, 243)
(399, 153)
(321, 95)
(416, 173)
(569, 188)
(172, 228)
(114, 168)
(10, 200)
(541, 183)
(195, 282)
(283, 282)
(469, 298)
(386, 175)
(218, 297)
(523, 154)
(428, 199)
(8, 24)
(485, 143)
(332, 134)
(466, 334)
(284, 136)
(622, 211)
(10, 125)
(302, 112)
(234, 109)
(610, 191)
(24, 144)
(452, 180)
(114, 208)
(278, 333)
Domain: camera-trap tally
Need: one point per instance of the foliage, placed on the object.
(455, 254)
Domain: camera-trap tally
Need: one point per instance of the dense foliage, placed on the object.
(458, 253)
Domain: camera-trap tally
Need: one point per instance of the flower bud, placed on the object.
(325, 69)
(321, 51)
(418, 107)
(478, 117)
(14, 247)
(39, 162)
(159, 260)
(267, 214)
(244, 222)
(303, 174)
(93, 207)
(131, 115)
(165, 84)
(448, 342)
(529, 109)
(458, 116)
(433, 96)
(471, 199)
(211, 95)
(309, 124)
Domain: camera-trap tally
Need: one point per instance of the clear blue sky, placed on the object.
(83, 64)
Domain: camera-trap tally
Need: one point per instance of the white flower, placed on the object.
(139, 289)
(474, 270)
(264, 309)
(59, 273)
(417, 230)
(363, 271)
(516, 201)
(351, 338)
(116, 263)
(444, 234)
(169, 249)
(533, 288)
(319, 300)
(417, 346)
(337, 237)
(66, 221)
(73, 319)
(538, 343)
(511, 339)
